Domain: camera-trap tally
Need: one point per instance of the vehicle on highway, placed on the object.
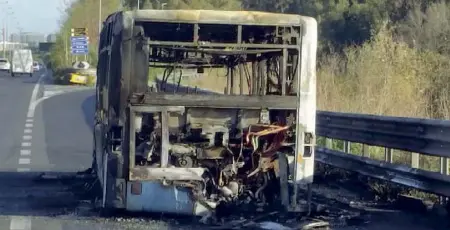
(22, 62)
(5, 65)
(82, 73)
(36, 66)
(173, 150)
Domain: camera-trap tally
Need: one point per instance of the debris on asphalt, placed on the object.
(314, 225)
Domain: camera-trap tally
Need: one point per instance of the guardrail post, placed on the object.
(365, 151)
(444, 170)
(415, 160)
(329, 143)
(347, 146)
(388, 155)
(444, 165)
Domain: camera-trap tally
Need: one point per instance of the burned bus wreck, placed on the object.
(168, 149)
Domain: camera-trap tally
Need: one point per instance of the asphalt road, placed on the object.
(48, 128)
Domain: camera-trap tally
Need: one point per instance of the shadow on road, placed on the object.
(63, 197)
(88, 108)
(22, 194)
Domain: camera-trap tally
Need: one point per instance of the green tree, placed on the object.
(75, 16)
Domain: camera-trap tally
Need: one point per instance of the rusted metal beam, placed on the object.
(223, 45)
(226, 52)
(188, 66)
(215, 101)
(153, 173)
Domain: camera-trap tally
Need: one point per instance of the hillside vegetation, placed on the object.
(80, 14)
(382, 56)
(385, 57)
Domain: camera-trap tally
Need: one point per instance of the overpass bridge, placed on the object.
(7, 46)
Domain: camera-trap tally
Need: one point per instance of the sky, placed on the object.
(33, 15)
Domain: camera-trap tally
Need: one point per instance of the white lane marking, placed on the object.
(25, 152)
(48, 95)
(23, 170)
(24, 161)
(32, 106)
(20, 223)
(53, 93)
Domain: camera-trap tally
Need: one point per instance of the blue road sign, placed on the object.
(79, 38)
(79, 43)
(85, 47)
(79, 51)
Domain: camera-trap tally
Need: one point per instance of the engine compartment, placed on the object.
(240, 150)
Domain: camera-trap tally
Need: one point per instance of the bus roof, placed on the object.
(219, 17)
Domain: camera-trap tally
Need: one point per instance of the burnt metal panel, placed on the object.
(169, 199)
(219, 17)
(215, 101)
(223, 45)
(171, 174)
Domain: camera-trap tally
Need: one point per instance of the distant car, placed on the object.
(5, 66)
(36, 66)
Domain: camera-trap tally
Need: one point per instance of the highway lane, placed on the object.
(48, 128)
(15, 95)
(67, 127)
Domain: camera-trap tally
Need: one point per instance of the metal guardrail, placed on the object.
(424, 136)
(400, 174)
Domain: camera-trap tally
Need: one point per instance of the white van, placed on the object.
(22, 62)
(5, 66)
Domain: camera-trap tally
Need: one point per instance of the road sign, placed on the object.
(79, 41)
(79, 31)
(79, 51)
(79, 38)
(82, 47)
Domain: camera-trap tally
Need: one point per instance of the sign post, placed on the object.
(79, 42)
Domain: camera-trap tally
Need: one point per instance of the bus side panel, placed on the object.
(307, 114)
(169, 199)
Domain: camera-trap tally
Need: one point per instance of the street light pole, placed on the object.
(99, 17)
(4, 39)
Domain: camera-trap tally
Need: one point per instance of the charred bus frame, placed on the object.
(275, 53)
